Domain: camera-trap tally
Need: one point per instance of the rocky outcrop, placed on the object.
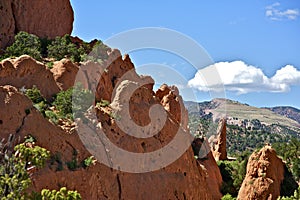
(206, 160)
(46, 19)
(171, 100)
(265, 172)
(64, 73)
(219, 143)
(19, 117)
(110, 74)
(25, 72)
(182, 179)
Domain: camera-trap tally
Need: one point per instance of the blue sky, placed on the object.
(254, 43)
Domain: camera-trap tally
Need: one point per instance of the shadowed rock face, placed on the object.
(7, 25)
(46, 19)
(182, 179)
(265, 172)
(214, 181)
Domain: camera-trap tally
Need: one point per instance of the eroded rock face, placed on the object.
(13, 110)
(265, 172)
(46, 19)
(182, 179)
(19, 117)
(123, 86)
(171, 100)
(112, 70)
(25, 72)
(219, 143)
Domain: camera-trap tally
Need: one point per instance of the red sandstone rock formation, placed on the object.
(219, 145)
(173, 103)
(113, 69)
(182, 179)
(265, 172)
(46, 19)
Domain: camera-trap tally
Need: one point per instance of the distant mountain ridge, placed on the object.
(287, 111)
(282, 119)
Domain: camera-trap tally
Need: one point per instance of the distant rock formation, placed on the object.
(265, 172)
(25, 72)
(219, 143)
(182, 179)
(205, 159)
(46, 19)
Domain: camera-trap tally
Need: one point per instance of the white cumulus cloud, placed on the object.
(241, 78)
(274, 13)
(288, 75)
